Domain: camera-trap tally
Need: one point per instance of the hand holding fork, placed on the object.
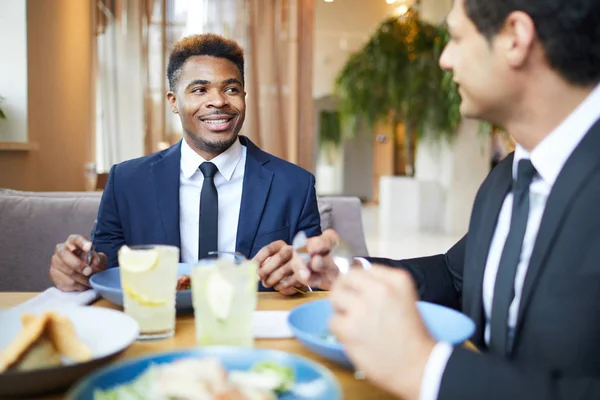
(321, 259)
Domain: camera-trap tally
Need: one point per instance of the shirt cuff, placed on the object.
(366, 264)
(434, 370)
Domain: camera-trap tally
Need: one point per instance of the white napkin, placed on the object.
(53, 298)
(265, 324)
(271, 325)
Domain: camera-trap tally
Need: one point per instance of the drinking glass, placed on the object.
(149, 282)
(224, 293)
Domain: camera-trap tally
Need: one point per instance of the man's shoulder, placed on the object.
(499, 176)
(503, 170)
(278, 166)
(282, 167)
(141, 165)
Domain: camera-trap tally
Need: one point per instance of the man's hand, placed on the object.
(69, 269)
(275, 268)
(377, 320)
(321, 271)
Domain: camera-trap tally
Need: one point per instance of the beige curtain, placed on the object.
(279, 78)
(277, 36)
(119, 86)
(155, 37)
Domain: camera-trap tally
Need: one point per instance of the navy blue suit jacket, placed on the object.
(140, 204)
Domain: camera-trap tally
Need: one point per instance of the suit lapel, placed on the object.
(569, 182)
(257, 184)
(489, 218)
(165, 178)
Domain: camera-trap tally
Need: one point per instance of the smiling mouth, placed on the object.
(217, 121)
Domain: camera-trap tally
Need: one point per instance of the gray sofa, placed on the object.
(32, 223)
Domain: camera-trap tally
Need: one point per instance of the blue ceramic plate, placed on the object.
(108, 285)
(233, 358)
(309, 322)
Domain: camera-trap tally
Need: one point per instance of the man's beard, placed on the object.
(219, 146)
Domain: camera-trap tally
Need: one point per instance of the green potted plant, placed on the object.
(396, 79)
(2, 115)
(330, 134)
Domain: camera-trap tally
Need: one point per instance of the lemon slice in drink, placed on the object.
(251, 268)
(137, 260)
(143, 300)
(219, 294)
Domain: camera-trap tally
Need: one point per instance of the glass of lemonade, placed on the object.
(224, 293)
(149, 282)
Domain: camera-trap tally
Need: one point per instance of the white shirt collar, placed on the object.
(226, 162)
(550, 156)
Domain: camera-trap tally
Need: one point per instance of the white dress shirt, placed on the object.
(548, 158)
(229, 181)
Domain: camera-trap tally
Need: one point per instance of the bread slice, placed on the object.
(41, 342)
(63, 335)
(41, 354)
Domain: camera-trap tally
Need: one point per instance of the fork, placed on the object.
(90, 253)
(299, 246)
(341, 254)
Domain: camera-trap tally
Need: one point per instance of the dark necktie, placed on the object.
(504, 288)
(209, 212)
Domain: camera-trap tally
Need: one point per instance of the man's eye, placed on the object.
(231, 90)
(199, 90)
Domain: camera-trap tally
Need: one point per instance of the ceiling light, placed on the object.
(390, 1)
(401, 10)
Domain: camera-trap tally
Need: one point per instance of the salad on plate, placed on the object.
(204, 379)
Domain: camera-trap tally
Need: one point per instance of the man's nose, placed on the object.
(217, 99)
(445, 59)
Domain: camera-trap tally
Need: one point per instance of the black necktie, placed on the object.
(209, 211)
(504, 288)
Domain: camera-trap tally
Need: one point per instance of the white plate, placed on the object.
(106, 332)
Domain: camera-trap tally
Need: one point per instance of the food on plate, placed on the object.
(282, 377)
(184, 282)
(204, 379)
(41, 343)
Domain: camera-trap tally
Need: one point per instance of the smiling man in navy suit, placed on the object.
(214, 190)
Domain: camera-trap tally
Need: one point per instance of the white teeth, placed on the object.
(216, 121)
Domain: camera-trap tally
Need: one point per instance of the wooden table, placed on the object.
(184, 338)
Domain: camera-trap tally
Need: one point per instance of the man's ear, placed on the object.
(172, 102)
(516, 38)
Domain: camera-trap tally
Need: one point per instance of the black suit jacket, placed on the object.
(556, 353)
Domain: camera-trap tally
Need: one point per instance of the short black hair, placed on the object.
(207, 44)
(569, 31)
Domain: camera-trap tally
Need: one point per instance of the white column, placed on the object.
(13, 70)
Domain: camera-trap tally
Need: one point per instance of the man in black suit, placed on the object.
(528, 270)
